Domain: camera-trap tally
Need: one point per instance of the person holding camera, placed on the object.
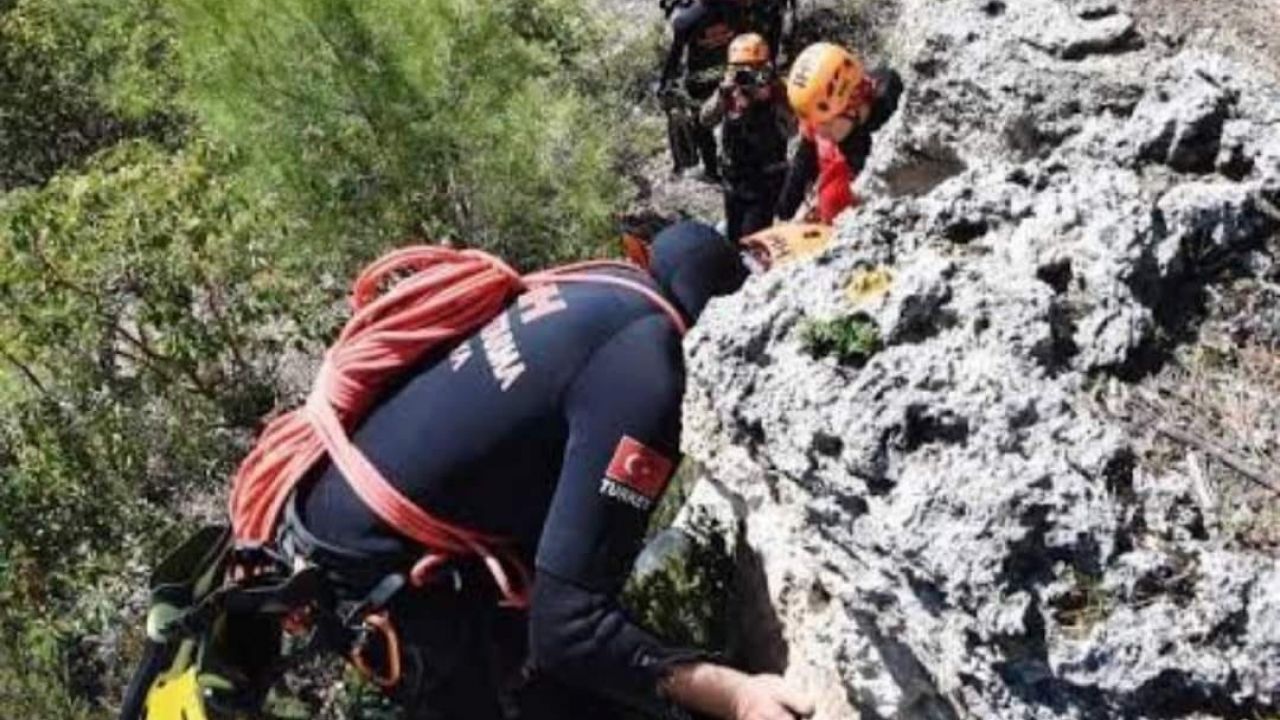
(755, 122)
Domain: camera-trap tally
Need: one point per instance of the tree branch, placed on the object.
(232, 339)
(26, 371)
(157, 362)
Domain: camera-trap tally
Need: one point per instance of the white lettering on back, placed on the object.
(500, 348)
(540, 302)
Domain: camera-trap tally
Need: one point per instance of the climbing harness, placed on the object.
(214, 634)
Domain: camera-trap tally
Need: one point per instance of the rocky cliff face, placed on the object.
(959, 527)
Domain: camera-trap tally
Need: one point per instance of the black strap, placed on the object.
(278, 598)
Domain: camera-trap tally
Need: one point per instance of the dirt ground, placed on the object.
(1225, 387)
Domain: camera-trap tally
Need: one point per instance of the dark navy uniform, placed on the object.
(556, 426)
(701, 34)
(768, 17)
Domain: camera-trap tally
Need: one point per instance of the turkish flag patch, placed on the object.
(640, 468)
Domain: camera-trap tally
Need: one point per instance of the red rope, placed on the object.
(442, 295)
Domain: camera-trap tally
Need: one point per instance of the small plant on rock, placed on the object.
(1084, 606)
(852, 338)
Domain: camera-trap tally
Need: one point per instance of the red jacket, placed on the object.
(835, 179)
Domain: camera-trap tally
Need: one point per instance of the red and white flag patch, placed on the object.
(640, 468)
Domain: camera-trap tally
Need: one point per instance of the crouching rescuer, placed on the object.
(458, 504)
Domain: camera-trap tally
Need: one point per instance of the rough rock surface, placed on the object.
(953, 530)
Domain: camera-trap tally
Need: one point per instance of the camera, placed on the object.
(749, 78)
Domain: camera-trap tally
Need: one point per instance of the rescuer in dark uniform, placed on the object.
(768, 18)
(701, 34)
(556, 428)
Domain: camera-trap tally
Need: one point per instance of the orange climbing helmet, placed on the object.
(822, 81)
(748, 49)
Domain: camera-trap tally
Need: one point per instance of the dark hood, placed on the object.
(693, 263)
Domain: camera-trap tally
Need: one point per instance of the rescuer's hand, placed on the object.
(731, 695)
(769, 697)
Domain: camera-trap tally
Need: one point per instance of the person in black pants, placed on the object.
(701, 34)
(768, 18)
(755, 122)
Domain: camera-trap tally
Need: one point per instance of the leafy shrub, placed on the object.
(852, 338)
(686, 600)
(195, 184)
(149, 303)
(77, 76)
(32, 678)
(682, 584)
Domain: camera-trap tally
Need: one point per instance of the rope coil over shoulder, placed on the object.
(439, 295)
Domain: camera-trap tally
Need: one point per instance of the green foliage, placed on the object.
(149, 301)
(622, 73)
(75, 77)
(185, 188)
(361, 700)
(686, 602)
(33, 675)
(147, 304)
(686, 598)
(852, 338)
(438, 117)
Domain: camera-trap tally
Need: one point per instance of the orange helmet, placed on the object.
(822, 81)
(748, 49)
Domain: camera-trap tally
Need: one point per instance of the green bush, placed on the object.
(186, 188)
(32, 678)
(149, 302)
(77, 76)
(852, 338)
(687, 600)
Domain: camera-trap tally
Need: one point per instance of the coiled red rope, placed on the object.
(439, 295)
